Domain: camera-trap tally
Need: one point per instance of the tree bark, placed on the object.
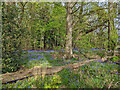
(69, 30)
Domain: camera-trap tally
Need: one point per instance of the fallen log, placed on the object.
(37, 70)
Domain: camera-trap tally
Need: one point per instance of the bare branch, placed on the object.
(75, 22)
(110, 84)
(95, 27)
(117, 83)
(91, 30)
(23, 5)
(76, 10)
(91, 12)
(74, 4)
(76, 16)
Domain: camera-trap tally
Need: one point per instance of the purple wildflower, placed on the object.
(114, 62)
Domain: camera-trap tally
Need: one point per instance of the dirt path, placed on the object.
(37, 70)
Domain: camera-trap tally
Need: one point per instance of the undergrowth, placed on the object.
(90, 75)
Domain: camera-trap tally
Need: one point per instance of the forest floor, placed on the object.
(39, 63)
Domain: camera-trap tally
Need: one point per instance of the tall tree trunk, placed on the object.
(108, 25)
(69, 30)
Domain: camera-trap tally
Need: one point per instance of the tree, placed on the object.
(11, 36)
(69, 30)
(69, 27)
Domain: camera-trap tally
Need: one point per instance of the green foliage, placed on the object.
(114, 37)
(65, 75)
(115, 59)
(75, 58)
(84, 43)
(36, 82)
(101, 53)
(10, 65)
(11, 38)
(49, 82)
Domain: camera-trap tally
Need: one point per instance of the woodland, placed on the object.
(60, 45)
